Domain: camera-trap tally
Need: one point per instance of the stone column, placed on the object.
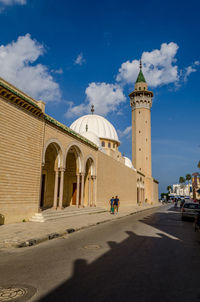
(55, 190)
(89, 191)
(77, 189)
(62, 171)
(82, 188)
(94, 191)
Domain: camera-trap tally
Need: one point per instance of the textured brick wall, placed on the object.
(21, 142)
(114, 178)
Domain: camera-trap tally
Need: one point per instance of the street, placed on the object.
(149, 256)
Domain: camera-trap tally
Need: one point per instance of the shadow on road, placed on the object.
(140, 268)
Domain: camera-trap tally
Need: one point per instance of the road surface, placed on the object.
(149, 256)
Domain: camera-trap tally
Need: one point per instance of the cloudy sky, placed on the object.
(72, 54)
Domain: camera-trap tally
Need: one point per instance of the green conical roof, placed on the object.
(140, 77)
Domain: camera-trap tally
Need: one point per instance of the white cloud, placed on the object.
(57, 71)
(79, 60)
(126, 132)
(158, 67)
(105, 98)
(16, 66)
(197, 63)
(188, 71)
(12, 2)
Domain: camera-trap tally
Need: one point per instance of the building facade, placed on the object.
(45, 164)
(196, 185)
(182, 190)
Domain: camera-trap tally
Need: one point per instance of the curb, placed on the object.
(36, 241)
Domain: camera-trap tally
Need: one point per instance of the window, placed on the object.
(103, 144)
(114, 146)
(139, 149)
(109, 145)
(139, 88)
(144, 88)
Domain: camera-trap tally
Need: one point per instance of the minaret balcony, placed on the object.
(140, 104)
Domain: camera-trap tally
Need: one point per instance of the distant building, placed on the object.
(196, 185)
(182, 190)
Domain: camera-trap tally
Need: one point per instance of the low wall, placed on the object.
(114, 178)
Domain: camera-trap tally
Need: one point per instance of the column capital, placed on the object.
(93, 177)
(62, 169)
(82, 173)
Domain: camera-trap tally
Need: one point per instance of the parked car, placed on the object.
(189, 210)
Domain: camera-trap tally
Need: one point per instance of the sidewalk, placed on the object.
(30, 233)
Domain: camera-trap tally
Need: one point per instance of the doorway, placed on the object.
(42, 190)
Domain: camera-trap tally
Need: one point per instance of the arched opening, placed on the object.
(73, 178)
(51, 176)
(89, 188)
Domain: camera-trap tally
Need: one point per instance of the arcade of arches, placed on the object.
(67, 178)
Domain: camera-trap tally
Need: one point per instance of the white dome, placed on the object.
(92, 137)
(128, 163)
(97, 124)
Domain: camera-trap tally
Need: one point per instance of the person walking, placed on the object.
(112, 200)
(116, 204)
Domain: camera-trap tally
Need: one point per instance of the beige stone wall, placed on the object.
(151, 190)
(21, 143)
(114, 178)
(155, 192)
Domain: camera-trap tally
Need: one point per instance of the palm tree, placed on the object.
(182, 181)
(169, 189)
(188, 177)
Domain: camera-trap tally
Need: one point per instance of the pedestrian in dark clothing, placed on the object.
(112, 200)
(116, 204)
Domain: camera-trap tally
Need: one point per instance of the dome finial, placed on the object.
(92, 108)
(140, 64)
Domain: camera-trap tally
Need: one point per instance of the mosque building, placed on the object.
(47, 166)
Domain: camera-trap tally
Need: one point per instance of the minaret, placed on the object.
(141, 102)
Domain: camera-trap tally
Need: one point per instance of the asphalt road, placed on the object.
(151, 256)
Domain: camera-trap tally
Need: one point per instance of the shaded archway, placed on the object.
(90, 179)
(52, 163)
(73, 189)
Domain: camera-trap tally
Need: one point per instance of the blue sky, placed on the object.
(74, 53)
